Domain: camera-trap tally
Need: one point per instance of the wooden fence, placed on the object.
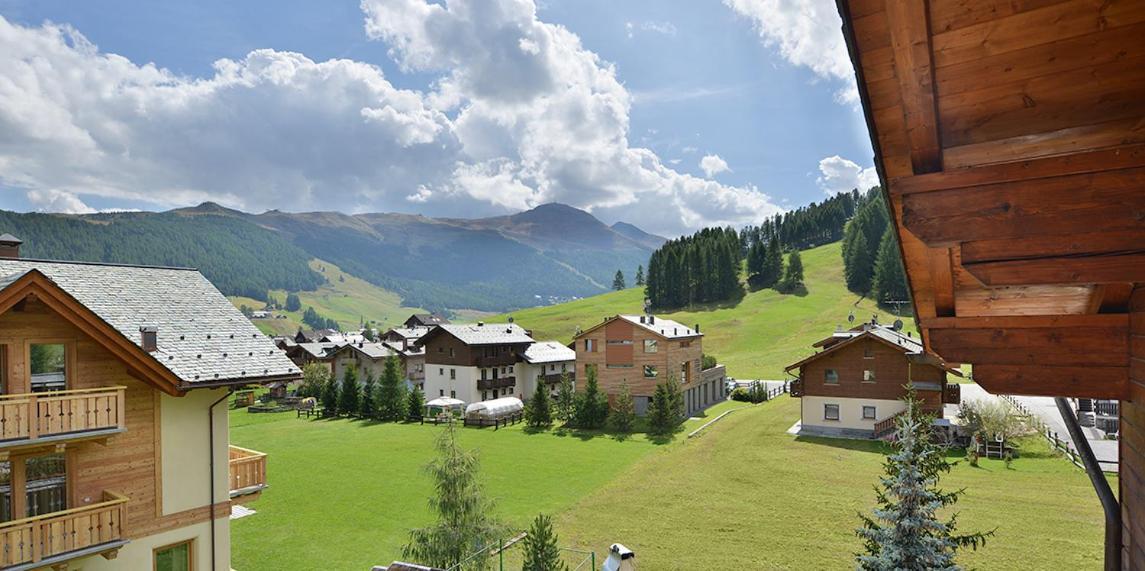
(1062, 445)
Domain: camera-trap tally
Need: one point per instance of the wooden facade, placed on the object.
(1008, 137)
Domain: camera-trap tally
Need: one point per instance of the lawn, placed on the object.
(749, 496)
(343, 494)
(755, 337)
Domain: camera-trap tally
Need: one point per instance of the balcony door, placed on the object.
(48, 364)
(32, 486)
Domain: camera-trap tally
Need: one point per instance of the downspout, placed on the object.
(211, 445)
(1100, 485)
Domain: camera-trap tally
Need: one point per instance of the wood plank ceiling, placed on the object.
(1010, 136)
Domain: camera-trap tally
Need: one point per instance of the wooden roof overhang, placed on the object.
(1009, 136)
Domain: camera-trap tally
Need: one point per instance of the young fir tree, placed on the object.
(415, 404)
(660, 412)
(366, 404)
(465, 526)
(771, 266)
(539, 409)
(330, 397)
(591, 405)
(755, 257)
(292, 302)
(904, 531)
(391, 401)
(640, 275)
(889, 283)
(541, 550)
(793, 275)
(349, 392)
(566, 399)
(618, 281)
(623, 415)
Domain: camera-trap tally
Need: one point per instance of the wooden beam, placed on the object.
(1098, 269)
(1129, 156)
(1094, 346)
(1079, 382)
(1109, 201)
(1026, 321)
(910, 37)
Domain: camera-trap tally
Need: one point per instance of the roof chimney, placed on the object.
(651, 319)
(481, 324)
(642, 319)
(697, 328)
(9, 246)
(149, 337)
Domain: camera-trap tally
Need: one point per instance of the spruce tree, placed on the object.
(771, 265)
(292, 302)
(793, 275)
(755, 257)
(330, 397)
(660, 412)
(349, 392)
(465, 526)
(889, 283)
(415, 404)
(366, 404)
(618, 281)
(539, 409)
(640, 275)
(566, 399)
(591, 404)
(623, 414)
(391, 405)
(541, 550)
(904, 531)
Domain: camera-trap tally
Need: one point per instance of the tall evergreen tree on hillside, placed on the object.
(330, 397)
(889, 283)
(349, 392)
(771, 269)
(366, 404)
(415, 403)
(566, 399)
(861, 242)
(539, 409)
(640, 275)
(391, 405)
(591, 404)
(292, 302)
(755, 256)
(618, 281)
(793, 275)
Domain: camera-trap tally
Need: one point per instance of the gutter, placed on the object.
(211, 444)
(1100, 485)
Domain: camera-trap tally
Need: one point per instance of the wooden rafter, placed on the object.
(914, 65)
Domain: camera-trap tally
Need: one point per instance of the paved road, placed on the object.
(1105, 450)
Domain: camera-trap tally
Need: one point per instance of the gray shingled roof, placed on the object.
(374, 351)
(665, 327)
(203, 338)
(549, 352)
(487, 333)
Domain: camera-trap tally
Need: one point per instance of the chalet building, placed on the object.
(425, 320)
(404, 341)
(303, 354)
(474, 362)
(643, 351)
(854, 386)
(113, 423)
(1007, 139)
(366, 358)
(543, 364)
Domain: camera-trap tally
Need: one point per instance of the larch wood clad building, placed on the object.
(113, 417)
(1010, 140)
(854, 386)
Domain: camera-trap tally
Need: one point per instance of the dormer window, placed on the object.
(831, 376)
(868, 352)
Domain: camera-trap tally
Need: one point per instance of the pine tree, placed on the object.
(415, 404)
(330, 397)
(618, 281)
(904, 531)
(541, 550)
(349, 392)
(889, 283)
(465, 526)
(793, 275)
(539, 409)
(755, 257)
(623, 414)
(771, 266)
(640, 275)
(292, 302)
(366, 404)
(591, 404)
(391, 405)
(660, 412)
(566, 399)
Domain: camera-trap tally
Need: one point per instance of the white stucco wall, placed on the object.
(185, 450)
(850, 411)
(138, 553)
(465, 384)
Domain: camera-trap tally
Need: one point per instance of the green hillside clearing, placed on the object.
(755, 337)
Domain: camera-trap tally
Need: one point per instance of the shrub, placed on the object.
(741, 394)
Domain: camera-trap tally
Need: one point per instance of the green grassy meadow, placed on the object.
(742, 495)
(755, 337)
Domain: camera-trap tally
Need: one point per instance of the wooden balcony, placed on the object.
(488, 384)
(35, 418)
(499, 360)
(555, 378)
(795, 389)
(56, 538)
(952, 394)
(247, 474)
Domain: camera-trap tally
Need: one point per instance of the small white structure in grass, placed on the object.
(495, 409)
(620, 558)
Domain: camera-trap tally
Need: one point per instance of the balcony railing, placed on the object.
(503, 382)
(59, 415)
(498, 360)
(57, 537)
(953, 394)
(247, 472)
(554, 378)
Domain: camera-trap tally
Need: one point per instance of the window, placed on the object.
(685, 372)
(553, 366)
(564, 367)
(868, 376)
(831, 376)
(868, 352)
(830, 412)
(618, 366)
(650, 372)
(452, 394)
(868, 413)
(452, 374)
(619, 341)
(510, 390)
(650, 346)
(451, 352)
(440, 392)
(590, 345)
(174, 557)
(484, 395)
(48, 366)
(6, 490)
(510, 368)
(484, 374)
(441, 349)
(46, 484)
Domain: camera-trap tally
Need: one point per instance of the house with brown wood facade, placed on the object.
(114, 446)
(643, 351)
(854, 384)
(473, 361)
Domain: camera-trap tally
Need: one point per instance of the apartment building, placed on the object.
(543, 365)
(475, 361)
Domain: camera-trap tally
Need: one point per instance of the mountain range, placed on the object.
(550, 253)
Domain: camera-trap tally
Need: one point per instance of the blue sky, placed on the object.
(501, 111)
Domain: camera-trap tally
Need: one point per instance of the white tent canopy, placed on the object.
(494, 409)
(445, 402)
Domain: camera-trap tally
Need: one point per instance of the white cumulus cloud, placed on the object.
(837, 174)
(806, 33)
(58, 201)
(713, 165)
